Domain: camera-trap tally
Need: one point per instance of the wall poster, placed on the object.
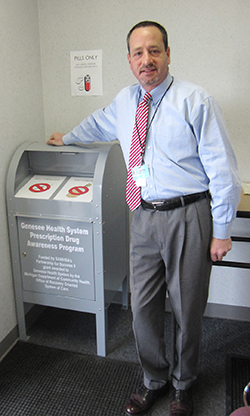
(86, 72)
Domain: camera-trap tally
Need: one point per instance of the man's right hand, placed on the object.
(56, 139)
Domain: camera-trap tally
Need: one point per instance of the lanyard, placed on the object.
(151, 121)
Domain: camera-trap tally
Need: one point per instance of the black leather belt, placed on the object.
(172, 203)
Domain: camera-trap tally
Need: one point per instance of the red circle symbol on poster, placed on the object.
(78, 190)
(39, 187)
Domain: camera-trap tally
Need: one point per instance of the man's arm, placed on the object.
(219, 248)
(220, 165)
(56, 139)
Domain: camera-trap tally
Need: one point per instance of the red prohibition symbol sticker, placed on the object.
(78, 190)
(39, 187)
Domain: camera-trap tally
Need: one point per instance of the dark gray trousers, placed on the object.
(170, 250)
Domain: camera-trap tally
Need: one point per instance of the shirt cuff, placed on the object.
(222, 231)
(67, 139)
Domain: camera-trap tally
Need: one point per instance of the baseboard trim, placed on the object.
(215, 310)
(237, 313)
(9, 341)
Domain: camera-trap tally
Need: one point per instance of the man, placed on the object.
(184, 152)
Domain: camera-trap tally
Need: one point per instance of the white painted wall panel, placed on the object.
(21, 117)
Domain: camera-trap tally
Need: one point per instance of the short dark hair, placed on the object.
(147, 23)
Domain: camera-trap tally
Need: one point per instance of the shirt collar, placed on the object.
(158, 91)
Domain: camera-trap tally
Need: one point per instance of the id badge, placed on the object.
(140, 174)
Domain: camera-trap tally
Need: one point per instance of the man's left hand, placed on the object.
(219, 248)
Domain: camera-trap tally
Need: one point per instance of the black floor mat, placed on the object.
(44, 381)
(238, 376)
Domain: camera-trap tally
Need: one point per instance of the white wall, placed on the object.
(21, 117)
(209, 46)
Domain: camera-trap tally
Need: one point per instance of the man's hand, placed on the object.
(219, 248)
(56, 139)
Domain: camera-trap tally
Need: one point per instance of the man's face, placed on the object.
(148, 58)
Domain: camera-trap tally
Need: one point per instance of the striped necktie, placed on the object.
(133, 192)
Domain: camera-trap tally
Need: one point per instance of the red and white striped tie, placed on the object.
(133, 192)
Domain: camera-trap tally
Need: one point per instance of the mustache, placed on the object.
(149, 66)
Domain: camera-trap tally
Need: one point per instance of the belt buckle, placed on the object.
(156, 205)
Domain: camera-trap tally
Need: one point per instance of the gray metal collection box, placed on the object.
(68, 227)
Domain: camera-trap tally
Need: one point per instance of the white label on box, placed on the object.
(40, 187)
(76, 189)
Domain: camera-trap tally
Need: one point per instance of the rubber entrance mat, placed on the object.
(39, 381)
(238, 376)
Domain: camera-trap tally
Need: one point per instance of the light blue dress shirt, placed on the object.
(187, 148)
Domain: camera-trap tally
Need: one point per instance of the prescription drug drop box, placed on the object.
(68, 229)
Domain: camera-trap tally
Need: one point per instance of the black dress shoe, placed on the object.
(143, 399)
(181, 403)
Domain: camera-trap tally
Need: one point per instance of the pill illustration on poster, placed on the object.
(87, 83)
